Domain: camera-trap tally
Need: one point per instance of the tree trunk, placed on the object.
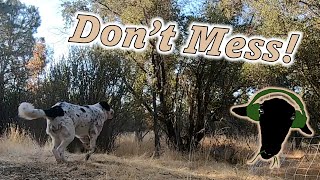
(155, 112)
(2, 117)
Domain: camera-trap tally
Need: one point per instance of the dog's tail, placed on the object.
(27, 111)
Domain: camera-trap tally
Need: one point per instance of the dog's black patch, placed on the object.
(105, 105)
(82, 110)
(54, 112)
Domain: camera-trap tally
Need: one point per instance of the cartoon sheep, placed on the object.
(277, 111)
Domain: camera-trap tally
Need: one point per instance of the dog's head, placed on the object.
(105, 105)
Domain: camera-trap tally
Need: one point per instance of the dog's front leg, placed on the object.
(94, 132)
(93, 140)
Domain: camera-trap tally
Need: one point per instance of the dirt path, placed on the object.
(104, 168)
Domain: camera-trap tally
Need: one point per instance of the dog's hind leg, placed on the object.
(67, 135)
(53, 131)
(63, 147)
(85, 142)
(56, 142)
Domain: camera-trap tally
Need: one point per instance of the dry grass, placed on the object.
(202, 162)
(16, 141)
(131, 160)
(231, 150)
(296, 154)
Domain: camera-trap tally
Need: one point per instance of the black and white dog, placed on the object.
(66, 121)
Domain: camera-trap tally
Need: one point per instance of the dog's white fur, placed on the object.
(83, 122)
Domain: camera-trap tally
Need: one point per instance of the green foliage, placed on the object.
(17, 26)
(71, 7)
(278, 18)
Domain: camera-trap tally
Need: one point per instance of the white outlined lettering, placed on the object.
(213, 41)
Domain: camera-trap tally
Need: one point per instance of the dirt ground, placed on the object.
(105, 169)
(22, 158)
(100, 167)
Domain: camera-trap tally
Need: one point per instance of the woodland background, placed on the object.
(180, 99)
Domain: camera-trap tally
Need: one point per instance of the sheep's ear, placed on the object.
(239, 111)
(306, 130)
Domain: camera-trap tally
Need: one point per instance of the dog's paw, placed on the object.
(61, 161)
(87, 157)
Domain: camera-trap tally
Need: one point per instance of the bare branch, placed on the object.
(311, 6)
(135, 94)
(104, 5)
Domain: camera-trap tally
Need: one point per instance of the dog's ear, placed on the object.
(105, 105)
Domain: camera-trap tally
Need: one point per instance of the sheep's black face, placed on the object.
(276, 117)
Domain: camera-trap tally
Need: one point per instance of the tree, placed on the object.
(185, 96)
(36, 64)
(277, 18)
(158, 83)
(18, 24)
